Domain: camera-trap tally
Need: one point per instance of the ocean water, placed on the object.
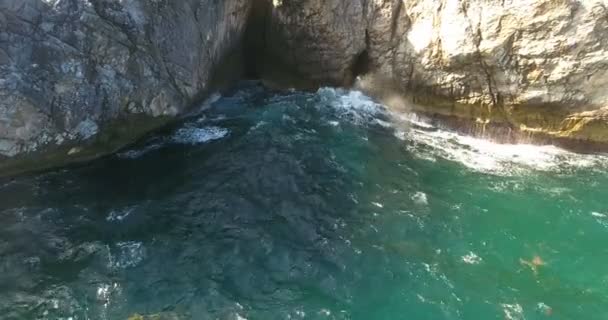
(293, 205)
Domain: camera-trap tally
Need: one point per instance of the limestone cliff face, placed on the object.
(537, 66)
(79, 74)
(70, 68)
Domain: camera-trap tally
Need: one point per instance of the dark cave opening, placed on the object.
(361, 65)
(254, 42)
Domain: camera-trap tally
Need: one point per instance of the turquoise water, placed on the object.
(321, 205)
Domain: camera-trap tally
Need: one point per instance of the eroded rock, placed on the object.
(70, 68)
(531, 65)
(316, 40)
(76, 73)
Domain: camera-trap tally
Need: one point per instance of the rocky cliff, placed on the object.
(79, 78)
(537, 67)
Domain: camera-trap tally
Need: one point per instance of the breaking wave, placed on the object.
(188, 135)
(427, 141)
(199, 135)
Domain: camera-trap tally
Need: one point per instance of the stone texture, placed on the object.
(70, 68)
(77, 72)
(534, 65)
(318, 41)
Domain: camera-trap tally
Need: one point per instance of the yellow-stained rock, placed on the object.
(157, 316)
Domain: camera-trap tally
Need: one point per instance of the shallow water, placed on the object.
(299, 205)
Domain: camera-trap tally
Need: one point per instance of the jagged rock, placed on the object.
(91, 75)
(532, 65)
(70, 68)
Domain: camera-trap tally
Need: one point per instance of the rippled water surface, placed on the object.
(309, 206)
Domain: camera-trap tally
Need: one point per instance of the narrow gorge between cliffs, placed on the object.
(82, 78)
(303, 159)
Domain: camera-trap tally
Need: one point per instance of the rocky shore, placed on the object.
(82, 78)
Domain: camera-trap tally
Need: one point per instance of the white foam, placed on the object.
(136, 153)
(420, 198)
(105, 292)
(119, 214)
(601, 218)
(544, 308)
(513, 311)
(259, 125)
(471, 258)
(377, 204)
(383, 123)
(189, 134)
(491, 157)
(430, 143)
(413, 119)
(352, 106)
(193, 135)
(325, 312)
(128, 254)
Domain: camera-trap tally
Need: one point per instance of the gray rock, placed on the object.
(75, 74)
(87, 129)
(319, 41)
(8, 147)
(71, 68)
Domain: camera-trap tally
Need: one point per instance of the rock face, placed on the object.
(79, 74)
(316, 41)
(536, 66)
(70, 70)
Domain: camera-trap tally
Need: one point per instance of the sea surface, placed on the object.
(293, 205)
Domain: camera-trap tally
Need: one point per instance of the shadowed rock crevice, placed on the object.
(312, 43)
(362, 65)
(255, 40)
